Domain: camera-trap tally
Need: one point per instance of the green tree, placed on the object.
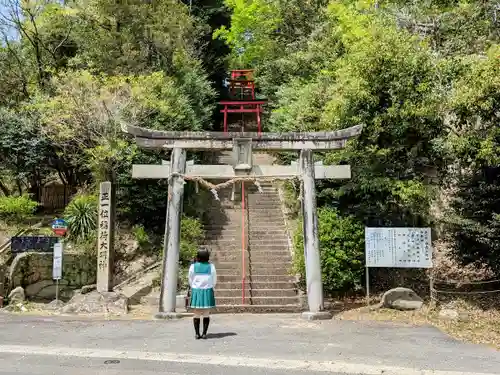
(474, 146)
(25, 155)
(381, 77)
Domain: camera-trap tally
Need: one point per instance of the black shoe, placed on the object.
(204, 336)
(206, 323)
(197, 337)
(196, 323)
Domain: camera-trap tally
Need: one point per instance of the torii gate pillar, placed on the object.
(311, 240)
(172, 237)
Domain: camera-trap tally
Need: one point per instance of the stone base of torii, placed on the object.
(242, 169)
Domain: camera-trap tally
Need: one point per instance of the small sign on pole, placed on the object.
(59, 227)
(57, 265)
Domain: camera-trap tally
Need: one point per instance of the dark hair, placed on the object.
(203, 255)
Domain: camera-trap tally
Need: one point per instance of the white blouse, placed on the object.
(202, 281)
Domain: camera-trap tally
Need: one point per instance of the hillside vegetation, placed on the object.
(423, 77)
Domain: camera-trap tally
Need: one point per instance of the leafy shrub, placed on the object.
(140, 235)
(81, 215)
(88, 245)
(17, 208)
(192, 235)
(341, 241)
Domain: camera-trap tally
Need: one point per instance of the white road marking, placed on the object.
(192, 358)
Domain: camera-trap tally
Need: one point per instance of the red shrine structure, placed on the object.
(242, 92)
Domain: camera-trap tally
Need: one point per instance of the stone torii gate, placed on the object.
(242, 145)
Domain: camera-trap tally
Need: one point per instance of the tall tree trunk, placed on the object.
(5, 190)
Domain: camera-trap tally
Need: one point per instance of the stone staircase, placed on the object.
(269, 285)
(140, 284)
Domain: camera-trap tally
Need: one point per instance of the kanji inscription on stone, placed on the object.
(105, 238)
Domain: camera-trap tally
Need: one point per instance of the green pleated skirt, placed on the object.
(202, 298)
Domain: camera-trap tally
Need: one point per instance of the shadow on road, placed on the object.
(220, 335)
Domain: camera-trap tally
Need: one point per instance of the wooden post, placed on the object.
(311, 240)
(171, 245)
(105, 240)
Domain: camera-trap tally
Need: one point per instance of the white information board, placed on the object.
(398, 247)
(57, 263)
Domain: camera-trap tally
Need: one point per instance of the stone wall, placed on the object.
(33, 272)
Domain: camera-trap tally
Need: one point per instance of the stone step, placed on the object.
(269, 197)
(266, 213)
(277, 225)
(266, 219)
(259, 278)
(253, 254)
(258, 300)
(271, 211)
(224, 251)
(222, 244)
(214, 238)
(263, 201)
(269, 215)
(255, 265)
(265, 243)
(258, 309)
(235, 257)
(139, 286)
(278, 238)
(222, 214)
(235, 247)
(258, 204)
(275, 269)
(267, 227)
(256, 285)
(224, 229)
(264, 209)
(253, 242)
(265, 256)
(270, 231)
(253, 293)
(263, 198)
(252, 271)
(262, 217)
(255, 236)
(252, 234)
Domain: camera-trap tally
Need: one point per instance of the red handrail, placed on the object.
(243, 242)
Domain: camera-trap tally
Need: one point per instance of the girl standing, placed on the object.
(202, 280)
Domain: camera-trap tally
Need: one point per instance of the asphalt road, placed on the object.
(239, 345)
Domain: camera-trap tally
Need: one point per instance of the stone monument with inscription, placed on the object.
(105, 239)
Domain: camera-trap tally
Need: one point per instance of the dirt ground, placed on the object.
(473, 325)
